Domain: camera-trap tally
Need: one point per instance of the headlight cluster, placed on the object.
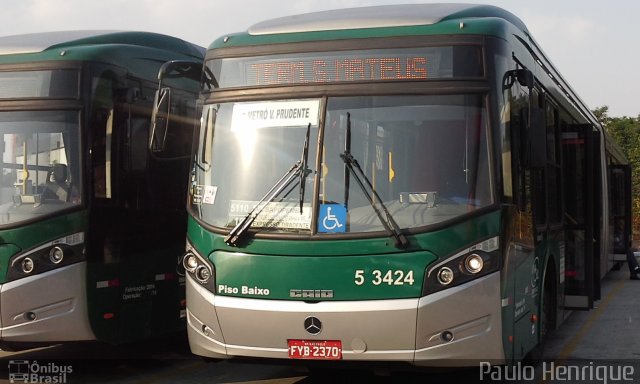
(461, 268)
(201, 270)
(43, 259)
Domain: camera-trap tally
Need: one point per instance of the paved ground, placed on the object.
(610, 331)
(601, 345)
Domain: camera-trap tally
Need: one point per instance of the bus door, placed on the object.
(581, 165)
(137, 221)
(620, 197)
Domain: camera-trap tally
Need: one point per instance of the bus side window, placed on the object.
(134, 187)
(138, 136)
(521, 178)
(102, 124)
(101, 153)
(554, 166)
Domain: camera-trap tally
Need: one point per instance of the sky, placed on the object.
(594, 44)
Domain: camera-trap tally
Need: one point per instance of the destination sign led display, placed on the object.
(348, 66)
(340, 70)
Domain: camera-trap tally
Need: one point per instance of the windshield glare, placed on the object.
(40, 164)
(426, 157)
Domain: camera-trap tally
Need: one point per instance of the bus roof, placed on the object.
(400, 20)
(378, 21)
(45, 41)
(379, 17)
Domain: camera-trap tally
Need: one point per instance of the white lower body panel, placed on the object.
(48, 307)
(402, 330)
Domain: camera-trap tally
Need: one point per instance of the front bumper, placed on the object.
(48, 307)
(403, 330)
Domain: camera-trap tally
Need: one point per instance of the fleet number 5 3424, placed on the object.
(388, 277)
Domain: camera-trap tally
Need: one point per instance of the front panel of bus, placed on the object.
(42, 199)
(345, 204)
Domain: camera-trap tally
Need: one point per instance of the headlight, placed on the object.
(202, 274)
(473, 263)
(56, 254)
(190, 262)
(199, 268)
(445, 276)
(469, 264)
(27, 265)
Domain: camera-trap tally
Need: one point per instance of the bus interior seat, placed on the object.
(57, 186)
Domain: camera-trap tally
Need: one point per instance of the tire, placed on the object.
(546, 320)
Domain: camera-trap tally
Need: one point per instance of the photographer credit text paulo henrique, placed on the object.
(572, 373)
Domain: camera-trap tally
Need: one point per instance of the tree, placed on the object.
(602, 114)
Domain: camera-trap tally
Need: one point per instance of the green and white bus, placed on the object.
(414, 184)
(92, 224)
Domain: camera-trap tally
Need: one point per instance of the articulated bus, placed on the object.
(92, 223)
(411, 184)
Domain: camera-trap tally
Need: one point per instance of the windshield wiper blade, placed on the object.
(299, 168)
(347, 149)
(304, 171)
(236, 234)
(381, 210)
(353, 167)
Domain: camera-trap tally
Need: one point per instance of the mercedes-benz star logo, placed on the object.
(313, 325)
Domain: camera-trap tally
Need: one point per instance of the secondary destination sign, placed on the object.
(280, 215)
(267, 114)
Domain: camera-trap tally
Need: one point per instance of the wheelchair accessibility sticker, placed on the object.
(332, 218)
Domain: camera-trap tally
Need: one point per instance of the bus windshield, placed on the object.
(421, 159)
(40, 164)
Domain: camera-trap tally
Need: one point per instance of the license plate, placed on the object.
(315, 349)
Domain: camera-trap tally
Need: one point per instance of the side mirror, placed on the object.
(161, 114)
(525, 78)
(160, 119)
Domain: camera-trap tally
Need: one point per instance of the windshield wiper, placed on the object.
(209, 121)
(354, 168)
(299, 168)
(236, 234)
(304, 171)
